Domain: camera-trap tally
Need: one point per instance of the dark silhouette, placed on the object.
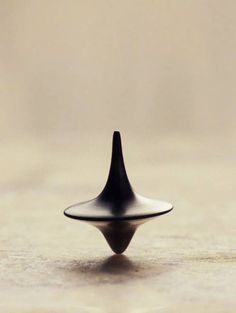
(118, 211)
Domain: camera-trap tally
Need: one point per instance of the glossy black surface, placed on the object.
(118, 210)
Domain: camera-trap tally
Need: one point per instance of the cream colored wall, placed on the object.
(163, 66)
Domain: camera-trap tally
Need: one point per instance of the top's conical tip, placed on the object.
(116, 145)
(116, 134)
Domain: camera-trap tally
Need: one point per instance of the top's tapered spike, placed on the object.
(117, 186)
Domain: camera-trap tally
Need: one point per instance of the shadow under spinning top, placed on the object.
(117, 211)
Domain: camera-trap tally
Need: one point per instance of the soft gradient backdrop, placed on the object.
(164, 73)
(76, 66)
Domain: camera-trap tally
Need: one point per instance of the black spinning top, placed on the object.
(118, 210)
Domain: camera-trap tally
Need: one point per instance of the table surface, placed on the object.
(183, 261)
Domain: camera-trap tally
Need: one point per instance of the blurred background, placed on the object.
(69, 67)
(163, 72)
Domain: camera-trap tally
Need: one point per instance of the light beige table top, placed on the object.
(182, 262)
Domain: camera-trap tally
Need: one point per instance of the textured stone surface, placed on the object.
(184, 261)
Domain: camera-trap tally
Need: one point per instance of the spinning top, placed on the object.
(118, 210)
